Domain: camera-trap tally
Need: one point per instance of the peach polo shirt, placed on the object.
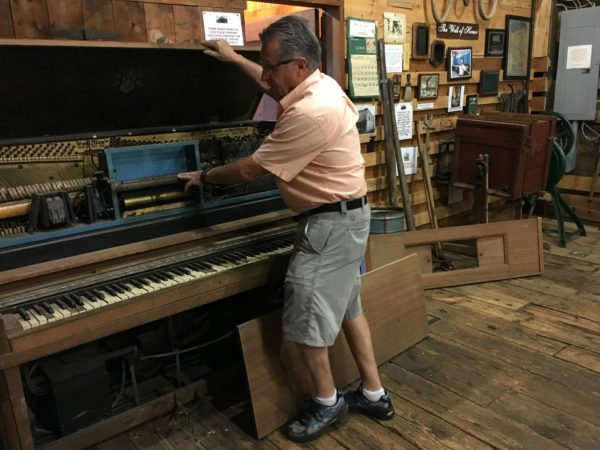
(314, 149)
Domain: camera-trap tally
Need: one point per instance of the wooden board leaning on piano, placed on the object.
(394, 303)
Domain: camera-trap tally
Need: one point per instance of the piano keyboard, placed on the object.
(56, 307)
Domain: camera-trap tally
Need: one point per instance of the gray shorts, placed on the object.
(322, 284)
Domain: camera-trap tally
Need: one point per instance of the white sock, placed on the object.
(373, 396)
(327, 401)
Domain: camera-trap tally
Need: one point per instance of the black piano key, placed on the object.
(179, 271)
(98, 294)
(136, 283)
(124, 287)
(162, 276)
(153, 278)
(24, 314)
(78, 301)
(69, 302)
(60, 302)
(110, 290)
(89, 296)
(38, 309)
(203, 265)
(47, 307)
(219, 260)
(199, 267)
(117, 288)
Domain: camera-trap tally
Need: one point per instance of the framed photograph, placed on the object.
(471, 104)
(366, 119)
(456, 96)
(494, 42)
(459, 63)
(428, 86)
(488, 82)
(516, 48)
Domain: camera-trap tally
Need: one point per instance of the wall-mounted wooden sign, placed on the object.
(453, 30)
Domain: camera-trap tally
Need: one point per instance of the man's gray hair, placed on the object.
(296, 39)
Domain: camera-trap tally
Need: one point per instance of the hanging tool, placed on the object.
(408, 93)
(439, 261)
(397, 87)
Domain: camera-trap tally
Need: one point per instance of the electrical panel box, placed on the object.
(576, 91)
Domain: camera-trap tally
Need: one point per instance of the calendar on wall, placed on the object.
(363, 80)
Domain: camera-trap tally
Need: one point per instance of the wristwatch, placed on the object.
(203, 175)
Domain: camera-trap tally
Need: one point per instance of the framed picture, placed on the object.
(516, 48)
(366, 119)
(488, 82)
(494, 42)
(420, 41)
(459, 63)
(456, 98)
(428, 86)
(394, 27)
(471, 104)
(438, 53)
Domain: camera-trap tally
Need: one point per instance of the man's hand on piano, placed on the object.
(190, 178)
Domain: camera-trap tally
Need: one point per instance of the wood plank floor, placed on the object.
(511, 364)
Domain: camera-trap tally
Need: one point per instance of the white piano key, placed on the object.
(109, 298)
(87, 304)
(134, 290)
(34, 319)
(65, 312)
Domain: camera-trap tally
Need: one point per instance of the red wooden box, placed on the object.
(519, 148)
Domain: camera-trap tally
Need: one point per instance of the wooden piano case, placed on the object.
(519, 148)
(113, 98)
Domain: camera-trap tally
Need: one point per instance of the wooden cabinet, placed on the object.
(519, 147)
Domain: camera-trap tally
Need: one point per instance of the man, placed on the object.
(314, 153)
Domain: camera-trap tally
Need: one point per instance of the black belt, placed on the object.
(338, 206)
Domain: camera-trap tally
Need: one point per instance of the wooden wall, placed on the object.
(180, 22)
(444, 122)
(158, 21)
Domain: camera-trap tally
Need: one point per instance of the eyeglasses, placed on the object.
(272, 67)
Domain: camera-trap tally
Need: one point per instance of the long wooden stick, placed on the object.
(390, 164)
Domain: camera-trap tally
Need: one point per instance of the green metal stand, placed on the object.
(566, 137)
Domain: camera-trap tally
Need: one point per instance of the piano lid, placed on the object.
(48, 90)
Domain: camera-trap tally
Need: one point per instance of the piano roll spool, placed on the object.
(9, 211)
(136, 201)
(150, 183)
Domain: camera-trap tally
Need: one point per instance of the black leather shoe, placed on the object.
(381, 409)
(313, 422)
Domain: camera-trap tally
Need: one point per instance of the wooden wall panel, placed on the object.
(189, 27)
(30, 19)
(66, 19)
(6, 24)
(160, 27)
(98, 18)
(421, 12)
(130, 21)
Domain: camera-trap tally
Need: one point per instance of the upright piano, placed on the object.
(104, 258)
